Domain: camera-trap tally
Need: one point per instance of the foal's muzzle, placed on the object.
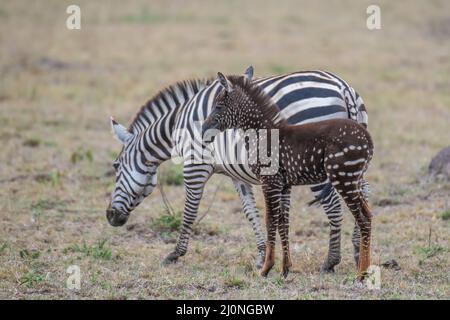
(115, 217)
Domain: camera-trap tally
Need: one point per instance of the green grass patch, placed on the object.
(233, 281)
(81, 155)
(32, 278)
(446, 215)
(96, 251)
(172, 176)
(29, 254)
(3, 247)
(350, 279)
(431, 251)
(167, 222)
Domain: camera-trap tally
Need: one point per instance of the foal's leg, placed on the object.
(283, 227)
(251, 213)
(356, 237)
(349, 189)
(272, 197)
(363, 216)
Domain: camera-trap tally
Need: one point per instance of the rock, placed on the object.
(391, 264)
(440, 164)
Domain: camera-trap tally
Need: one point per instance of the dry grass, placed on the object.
(57, 148)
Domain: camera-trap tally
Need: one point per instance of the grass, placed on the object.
(167, 225)
(96, 251)
(57, 148)
(81, 155)
(172, 175)
(31, 279)
(429, 252)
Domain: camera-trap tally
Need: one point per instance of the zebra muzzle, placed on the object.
(115, 217)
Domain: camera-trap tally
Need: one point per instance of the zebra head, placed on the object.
(135, 176)
(225, 111)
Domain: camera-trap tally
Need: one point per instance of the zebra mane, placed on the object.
(179, 93)
(269, 108)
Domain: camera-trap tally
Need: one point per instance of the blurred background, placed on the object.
(58, 88)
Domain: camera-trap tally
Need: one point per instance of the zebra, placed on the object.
(153, 137)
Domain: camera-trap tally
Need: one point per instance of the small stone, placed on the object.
(440, 164)
(391, 264)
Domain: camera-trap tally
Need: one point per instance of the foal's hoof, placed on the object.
(285, 272)
(266, 269)
(171, 259)
(260, 259)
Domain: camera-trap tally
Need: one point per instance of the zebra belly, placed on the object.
(230, 157)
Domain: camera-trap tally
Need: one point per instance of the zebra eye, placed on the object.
(116, 165)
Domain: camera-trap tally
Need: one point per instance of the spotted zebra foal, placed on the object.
(339, 150)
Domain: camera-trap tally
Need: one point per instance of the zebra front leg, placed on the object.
(272, 197)
(330, 202)
(195, 178)
(251, 213)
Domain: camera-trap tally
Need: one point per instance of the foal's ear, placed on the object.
(248, 74)
(224, 82)
(120, 132)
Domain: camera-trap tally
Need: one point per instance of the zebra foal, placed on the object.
(338, 150)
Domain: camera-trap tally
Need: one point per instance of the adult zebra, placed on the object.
(154, 137)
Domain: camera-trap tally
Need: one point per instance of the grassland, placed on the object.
(58, 88)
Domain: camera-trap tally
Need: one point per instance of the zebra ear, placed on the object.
(248, 74)
(120, 132)
(224, 82)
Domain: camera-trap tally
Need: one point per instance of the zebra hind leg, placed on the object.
(283, 227)
(251, 213)
(329, 199)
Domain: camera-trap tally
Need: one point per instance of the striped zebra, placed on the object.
(154, 137)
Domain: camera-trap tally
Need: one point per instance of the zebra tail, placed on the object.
(322, 195)
(361, 111)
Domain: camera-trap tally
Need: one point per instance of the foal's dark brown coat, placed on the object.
(338, 150)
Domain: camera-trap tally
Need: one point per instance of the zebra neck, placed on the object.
(156, 120)
(156, 140)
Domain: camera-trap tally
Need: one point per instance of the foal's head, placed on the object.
(241, 105)
(226, 107)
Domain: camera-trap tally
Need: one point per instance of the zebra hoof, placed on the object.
(260, 259)
(327, 268)
(357, 261)
(171, 259)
